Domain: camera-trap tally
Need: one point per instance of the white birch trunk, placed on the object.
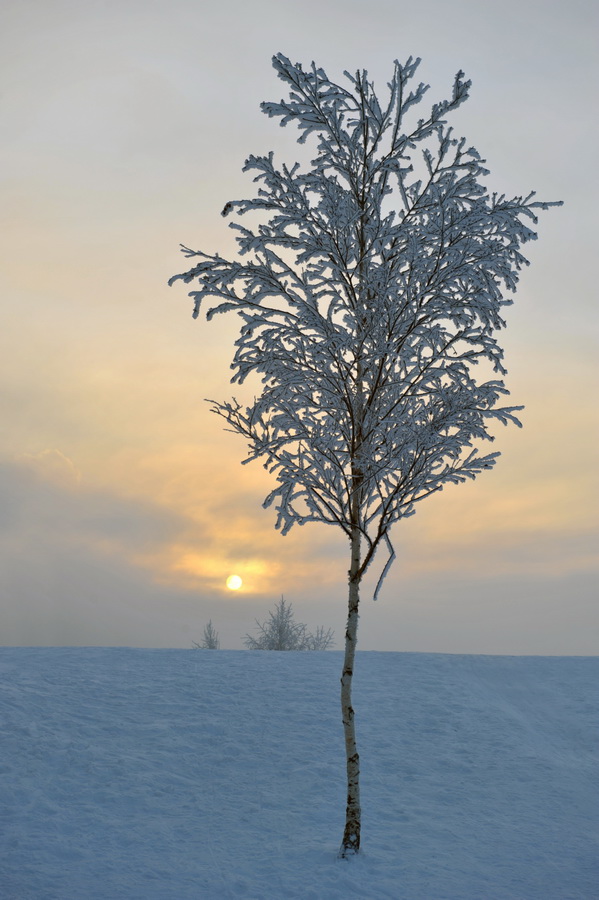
(351, 836)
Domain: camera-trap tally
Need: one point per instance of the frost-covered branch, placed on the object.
(370, 288)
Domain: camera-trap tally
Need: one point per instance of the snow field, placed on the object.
(186, 774)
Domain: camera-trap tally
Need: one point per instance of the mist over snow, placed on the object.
(156, 774)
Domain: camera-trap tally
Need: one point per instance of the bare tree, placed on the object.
(321, 639)
(282, 632)
(371, 288)
(209, 640)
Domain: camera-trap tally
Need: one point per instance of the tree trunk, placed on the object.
(351, 836)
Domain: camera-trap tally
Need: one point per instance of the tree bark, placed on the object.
(351, 836)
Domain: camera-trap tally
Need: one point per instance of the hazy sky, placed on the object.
(125, 124)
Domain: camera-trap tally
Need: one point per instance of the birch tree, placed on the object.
(369, 290)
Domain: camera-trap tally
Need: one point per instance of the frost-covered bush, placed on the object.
(282, 632)
(210, 640)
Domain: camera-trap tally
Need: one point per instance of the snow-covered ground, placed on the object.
(157, 774)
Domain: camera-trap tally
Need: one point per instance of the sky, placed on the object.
(124, 507)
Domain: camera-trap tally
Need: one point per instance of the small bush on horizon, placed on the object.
(282, 632)
(210, 640)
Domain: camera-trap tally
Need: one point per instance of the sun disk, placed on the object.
(234, 582)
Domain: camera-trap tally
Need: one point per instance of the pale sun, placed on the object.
(234, 582)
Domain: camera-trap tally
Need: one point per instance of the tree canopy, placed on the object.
(367, 296)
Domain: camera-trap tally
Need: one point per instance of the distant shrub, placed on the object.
(209, 640)
(282, 632)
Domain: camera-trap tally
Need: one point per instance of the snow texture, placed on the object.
(156, 774)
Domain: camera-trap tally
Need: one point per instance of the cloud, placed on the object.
(66, 561)
(80, 565)
(464, 612)
(53, 466)
(86, 567)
